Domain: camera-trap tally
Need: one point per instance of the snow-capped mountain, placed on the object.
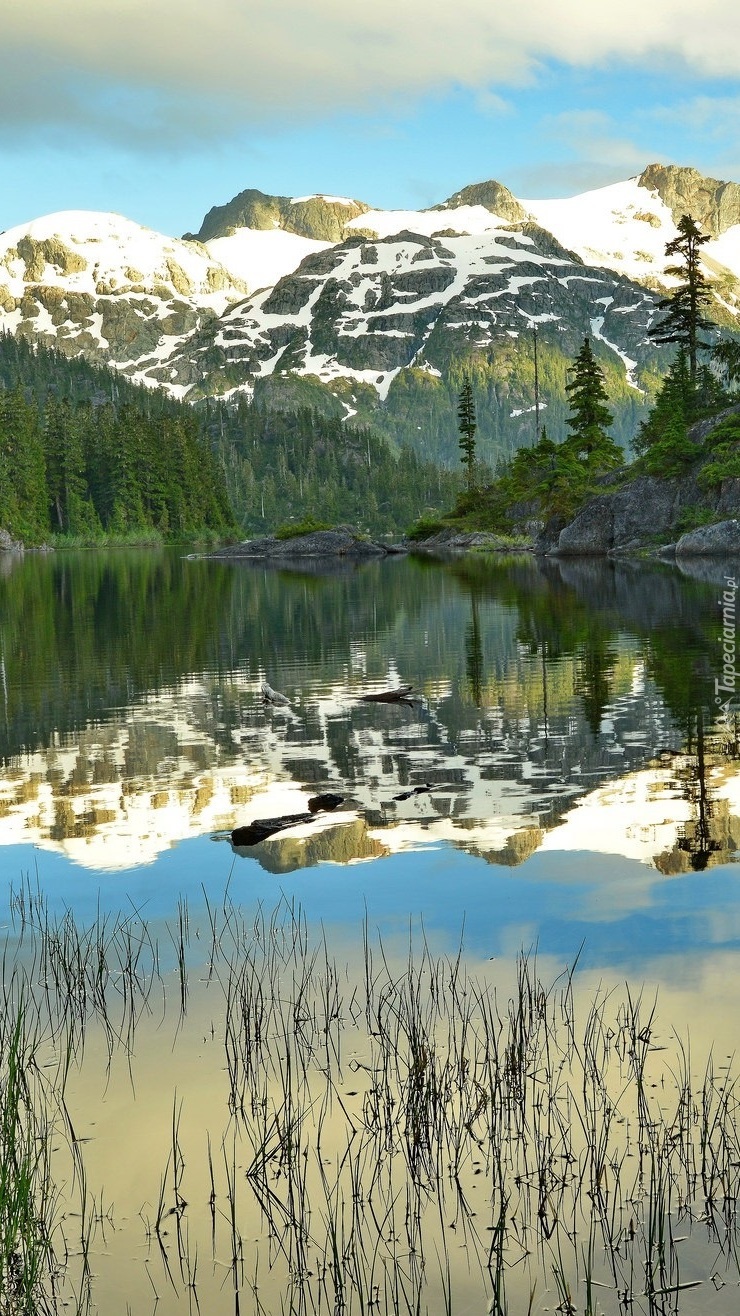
(364, 310)
(626, 226)
(377, 309)
(103, 286)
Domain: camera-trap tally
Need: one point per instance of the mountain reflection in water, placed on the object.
(563, 705)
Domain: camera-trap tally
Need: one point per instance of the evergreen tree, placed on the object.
(588, 441)
(467, 426)
(683, 320)
(662, 442)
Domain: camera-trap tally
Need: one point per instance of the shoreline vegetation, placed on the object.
(365, 1121)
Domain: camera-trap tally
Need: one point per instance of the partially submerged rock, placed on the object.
(719, 540)
(341, 542)
(460, 541)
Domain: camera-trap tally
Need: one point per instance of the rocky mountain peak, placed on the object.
(320, 217)
(712, 203)
(494, 196)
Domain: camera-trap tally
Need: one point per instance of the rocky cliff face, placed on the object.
(714, 204)
(321, 217)
(647, 510)
(363, 311)
(494, 196)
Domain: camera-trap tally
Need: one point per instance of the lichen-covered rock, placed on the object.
(8, 544)
(591, 532)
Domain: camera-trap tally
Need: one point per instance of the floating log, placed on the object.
(261, 828)
(415, 790)
(401, 695)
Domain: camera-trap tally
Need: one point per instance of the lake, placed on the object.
(461, 1043)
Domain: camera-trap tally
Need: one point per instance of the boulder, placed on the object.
(8, 544)
(592, 531)
(719, 540)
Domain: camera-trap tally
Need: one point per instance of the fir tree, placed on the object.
(683, 320)
(662, 442)
(467, 426)
(588, 441)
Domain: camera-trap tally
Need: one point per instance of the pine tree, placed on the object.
(683, 320)
(467, 426)
(590, 418)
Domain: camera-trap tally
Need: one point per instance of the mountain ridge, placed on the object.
(375, 314)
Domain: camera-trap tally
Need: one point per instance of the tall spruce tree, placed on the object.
(683, 321)
(467, 426)
(588, 442)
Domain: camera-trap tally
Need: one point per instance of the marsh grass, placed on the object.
(396, 1131)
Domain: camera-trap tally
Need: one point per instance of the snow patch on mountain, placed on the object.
(626, 228)
(100, 253)
(260, 257)
(621, 226)
(460, 219)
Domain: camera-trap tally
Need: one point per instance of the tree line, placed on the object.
(283, 466)
(84, 454)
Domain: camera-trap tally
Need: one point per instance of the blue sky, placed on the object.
(161, 110)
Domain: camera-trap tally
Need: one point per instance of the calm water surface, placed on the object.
(559, 782)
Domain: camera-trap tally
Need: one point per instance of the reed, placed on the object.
(559, 1148)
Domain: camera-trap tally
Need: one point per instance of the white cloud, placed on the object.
(585, 151)
(194, 68)
(714, 116)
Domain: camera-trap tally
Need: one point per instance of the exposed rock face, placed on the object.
(644, 511)
(318, 217)
(713, 204)
(8, 544)
(624, 518)
(494, 196)
(341, 542)
(107, 287)
(719, 540)
(49, 251)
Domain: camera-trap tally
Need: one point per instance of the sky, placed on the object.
(160, 109)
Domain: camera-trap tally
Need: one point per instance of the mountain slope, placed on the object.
(626, 226)
(99, 284)
(377, 320)
(324, 301)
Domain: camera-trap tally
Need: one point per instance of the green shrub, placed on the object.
(308, 526)
(424, 528)
(692, 518)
